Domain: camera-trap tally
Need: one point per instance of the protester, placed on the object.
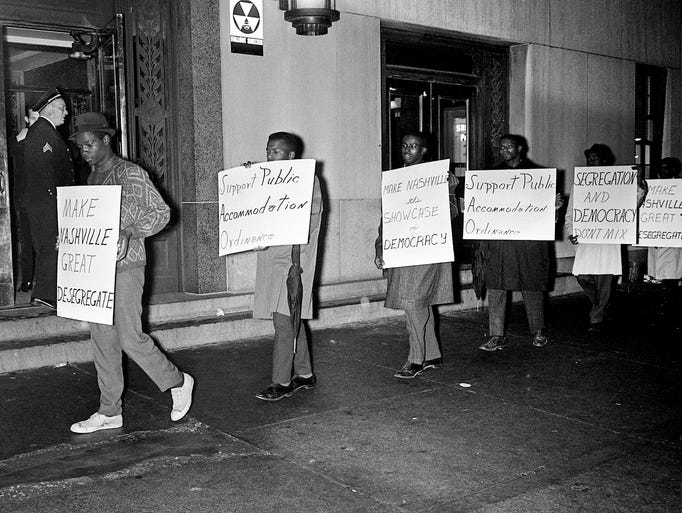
(26, 253)
(595, 265)
(270, 297)
(143, 213)
(48, 165)
(665, 264)
(516, 264)
(416, 288)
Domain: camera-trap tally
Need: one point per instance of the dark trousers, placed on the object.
(534, 301)
(283, 357)
(597, 288)
(42, 218)
(26, 246)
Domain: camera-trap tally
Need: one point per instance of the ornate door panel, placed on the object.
(150, 118)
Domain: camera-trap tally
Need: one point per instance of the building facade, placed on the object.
(563, 74)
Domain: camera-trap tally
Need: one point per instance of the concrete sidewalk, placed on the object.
(587, 423)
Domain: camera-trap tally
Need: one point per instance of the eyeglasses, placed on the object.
(413, 146)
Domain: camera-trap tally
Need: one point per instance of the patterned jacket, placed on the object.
(143, 211)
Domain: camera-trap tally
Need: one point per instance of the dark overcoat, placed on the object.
(47, 163)
(517, 264)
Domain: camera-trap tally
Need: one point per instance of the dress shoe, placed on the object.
(275, 392)
(409, 371)
(25, 286)
(540, 339)
(435, 363)
(495, 343)
(299, 382)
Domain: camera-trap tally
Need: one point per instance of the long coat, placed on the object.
(272, 268)
(416, 286)
(47, 163)
(517, 264)
(593, 258)
(665, 263)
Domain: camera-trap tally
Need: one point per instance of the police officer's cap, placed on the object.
(46, 99)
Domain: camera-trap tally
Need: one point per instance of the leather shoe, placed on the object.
(25, 286)
(275, 392)
(435, 363)
(409, 371)
(540, 339)
(299, 382)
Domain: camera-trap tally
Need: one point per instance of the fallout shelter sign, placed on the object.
(246, 26)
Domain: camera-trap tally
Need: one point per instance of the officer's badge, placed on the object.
(47, 147)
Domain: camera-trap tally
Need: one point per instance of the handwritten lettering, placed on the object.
(86, 297)
(79, 207)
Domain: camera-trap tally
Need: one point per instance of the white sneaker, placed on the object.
(96, 422)
(182, 398)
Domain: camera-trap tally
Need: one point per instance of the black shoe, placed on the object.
(25, 286)
(540, 339)
(595, 327)
(275, 392)
(436, 363)
(494, 343)
(306, 383)
(36, 301)
(409, 371)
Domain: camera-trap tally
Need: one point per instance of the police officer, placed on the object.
(48, 165)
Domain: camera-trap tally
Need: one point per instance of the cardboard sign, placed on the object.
(605, 204)
(246, 26)
(660, 216)
(415, 215)
(88, 218)
(509, 204)
(266, 204)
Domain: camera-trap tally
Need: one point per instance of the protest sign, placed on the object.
(415, 215)
(265, 204)
(660, 216)
(605, 204)
(509, 204)
(88, 218)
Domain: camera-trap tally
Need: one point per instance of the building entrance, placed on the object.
(455, 92)
(85, 66)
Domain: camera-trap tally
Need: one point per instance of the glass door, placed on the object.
(35, 60)
(441, 112)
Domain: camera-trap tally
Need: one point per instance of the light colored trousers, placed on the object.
(534, 301)
(283, 357)
(126, 335)
(422, 335)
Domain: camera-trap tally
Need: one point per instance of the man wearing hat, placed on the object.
(143, 213)
(48, 165)
(595, 265)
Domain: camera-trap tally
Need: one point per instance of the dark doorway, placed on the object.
(453, 90)
(34, 60)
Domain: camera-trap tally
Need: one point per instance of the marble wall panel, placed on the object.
(357, 234)
(587, 25)
(549, 95)
(517, 20)
(611, 105)
(330, 243)
(357, 152)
